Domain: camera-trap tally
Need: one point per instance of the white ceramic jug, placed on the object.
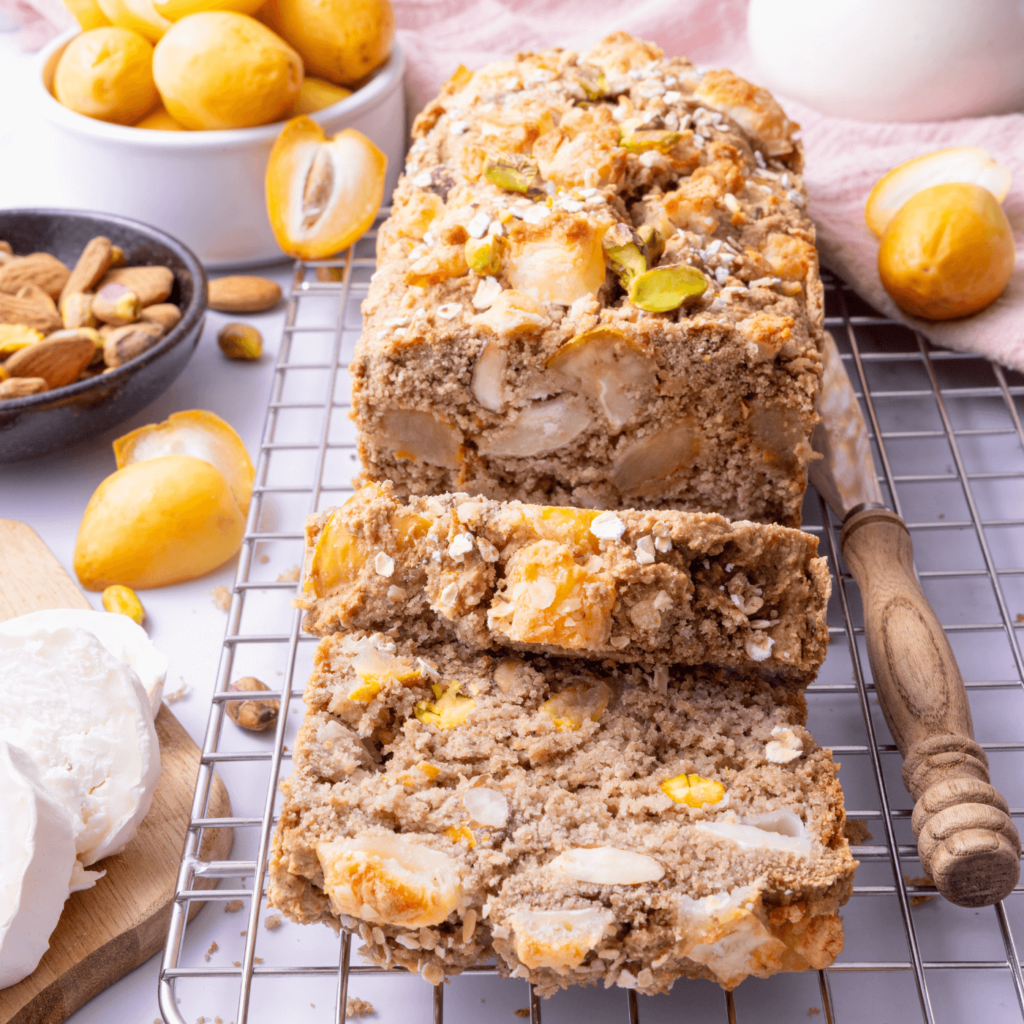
(892, 60)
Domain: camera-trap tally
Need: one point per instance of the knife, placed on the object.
(965, 837)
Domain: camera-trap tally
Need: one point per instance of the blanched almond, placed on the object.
(610, 368)
(412, 434)
(389, 880)
(541, 426)
(486, 806)
(607, 865)
(558, 938)
(644, 464)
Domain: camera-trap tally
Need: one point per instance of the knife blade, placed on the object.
(966, 840)
(845, 474)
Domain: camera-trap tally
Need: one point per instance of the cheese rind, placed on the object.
(125, 640)
(37, 853)
(84, 719)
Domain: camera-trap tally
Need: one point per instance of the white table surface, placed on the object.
(51, 493)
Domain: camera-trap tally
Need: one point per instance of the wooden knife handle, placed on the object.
(967, 841)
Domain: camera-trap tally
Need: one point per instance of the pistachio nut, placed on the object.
(254, 715)
(130, 341)
(592, 81)
(484, 255)
(653, 240)
(668, 287)
(240, 341)
(116, 304)
(622, 249)
(122, 600)
(513, 174)
(644, 140)
(76, 310)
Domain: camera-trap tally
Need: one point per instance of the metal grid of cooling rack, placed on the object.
(949, 446)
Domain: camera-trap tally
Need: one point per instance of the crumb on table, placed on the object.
(919, 898)
(856, 831)
(291, 576)
(233, 906)
(175, 695)
(264, 559)
(523, 1011)
(813, 1012)
(356, 1007)
(272, 922)
(213, 949)
(221, 597)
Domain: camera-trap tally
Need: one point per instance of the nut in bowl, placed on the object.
(72, 372)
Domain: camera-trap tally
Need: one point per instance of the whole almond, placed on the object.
(36, 294)
(22, 387)
(126, 343)
(31, 312)
(166, 314)
(93, 263)
(151, 284)
(243, 294)
(76, 310)
(58, 359)
(40, 269)
(116, 304)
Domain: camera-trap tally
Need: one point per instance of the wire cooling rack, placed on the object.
(949, 446)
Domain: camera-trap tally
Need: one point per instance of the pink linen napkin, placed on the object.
(844, 158)
(38, 21)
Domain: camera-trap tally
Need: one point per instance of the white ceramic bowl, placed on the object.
(892, 60)
(205, 188)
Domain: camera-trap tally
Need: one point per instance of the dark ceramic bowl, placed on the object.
(40, 424)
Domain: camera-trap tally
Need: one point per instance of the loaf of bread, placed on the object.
(582, 822)
(598, 287)
(686, 588)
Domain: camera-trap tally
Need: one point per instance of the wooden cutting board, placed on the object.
(106, 931)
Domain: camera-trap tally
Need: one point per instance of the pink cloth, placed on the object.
(38, 21)
(844, 158)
